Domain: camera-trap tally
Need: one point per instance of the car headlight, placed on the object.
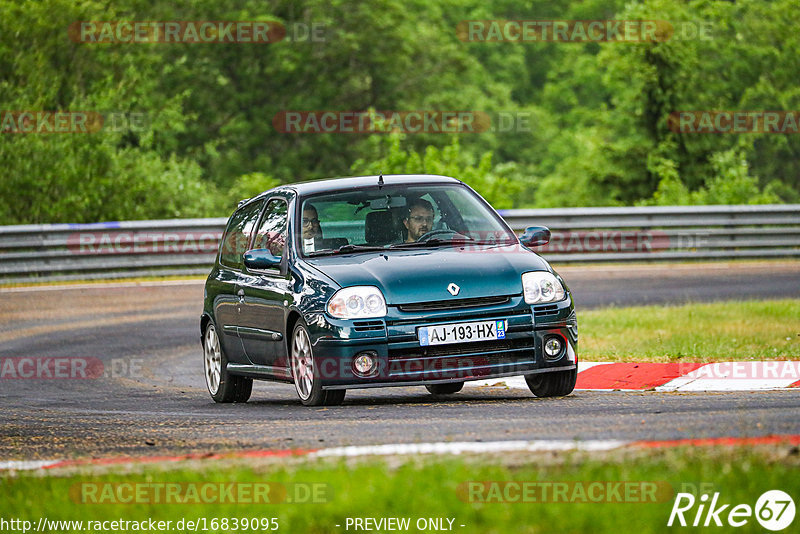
(357, 302)
(541, 286)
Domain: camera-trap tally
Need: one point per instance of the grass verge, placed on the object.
(326, 494)
(747, 330)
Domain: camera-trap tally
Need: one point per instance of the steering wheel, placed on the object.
(442, 231)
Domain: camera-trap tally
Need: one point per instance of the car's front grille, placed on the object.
(453, 304)
(367, 326)
(543, 311)
(462, 360)
(475, 315)
(455, 349)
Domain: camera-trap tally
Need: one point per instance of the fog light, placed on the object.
(365, 363)
(552, 347)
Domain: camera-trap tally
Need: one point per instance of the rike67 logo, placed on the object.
(774, 510)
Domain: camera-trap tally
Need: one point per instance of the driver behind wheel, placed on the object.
(419, 220)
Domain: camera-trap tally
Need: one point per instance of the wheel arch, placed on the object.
(204, 320)
(291, 320)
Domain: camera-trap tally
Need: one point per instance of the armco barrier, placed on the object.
(188, 246)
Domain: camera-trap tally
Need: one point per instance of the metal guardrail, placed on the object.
(188, 246)
(666, 233)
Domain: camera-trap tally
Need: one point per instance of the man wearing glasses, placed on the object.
(419, 220)
(312, 232)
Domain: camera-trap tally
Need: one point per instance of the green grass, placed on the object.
(430, 488)
(750, 330)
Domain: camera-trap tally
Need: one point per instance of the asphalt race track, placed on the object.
(152, 398)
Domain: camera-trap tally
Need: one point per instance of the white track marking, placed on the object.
(26, 465)
(737, 376)
(518, 382)
(513, 382)
(720, 376)
(582, 366)
(469, 447)
(409, 448)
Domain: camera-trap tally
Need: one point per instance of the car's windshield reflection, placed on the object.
(390, 218)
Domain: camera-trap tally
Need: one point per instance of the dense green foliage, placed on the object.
(597, 112)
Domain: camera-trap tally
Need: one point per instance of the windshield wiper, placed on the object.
(499, 243)
(429, 243)
(344, 249)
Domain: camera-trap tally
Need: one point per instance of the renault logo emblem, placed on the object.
(453, 289)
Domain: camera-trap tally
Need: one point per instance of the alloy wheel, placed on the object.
(302, 363)
(212, 360)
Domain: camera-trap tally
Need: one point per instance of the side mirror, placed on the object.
(260, 258)
(535, 236)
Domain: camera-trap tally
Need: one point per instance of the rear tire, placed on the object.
(222, 386)
(444, 389)
(555, 384)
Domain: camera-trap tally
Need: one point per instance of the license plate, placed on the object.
(461, 332)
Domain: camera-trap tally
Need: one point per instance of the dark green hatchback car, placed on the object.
(382, 281)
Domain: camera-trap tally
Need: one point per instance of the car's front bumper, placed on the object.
(402, 361)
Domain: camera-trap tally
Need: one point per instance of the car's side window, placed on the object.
(237, 235)
(271, 233)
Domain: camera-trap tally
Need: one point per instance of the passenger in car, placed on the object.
(313, 239)
(312, 231)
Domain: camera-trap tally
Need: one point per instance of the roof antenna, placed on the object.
(380, 180)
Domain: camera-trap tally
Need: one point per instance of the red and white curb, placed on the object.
(684, 376)
(417, 449)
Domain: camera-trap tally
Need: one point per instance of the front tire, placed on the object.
(555, 384)
(223, 386)
(306, 377)
(444, 389)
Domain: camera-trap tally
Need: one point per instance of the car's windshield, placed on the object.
(397, 217)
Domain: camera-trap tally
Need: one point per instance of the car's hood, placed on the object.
(407, 276)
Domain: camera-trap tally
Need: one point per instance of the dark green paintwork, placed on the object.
(256, 325)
